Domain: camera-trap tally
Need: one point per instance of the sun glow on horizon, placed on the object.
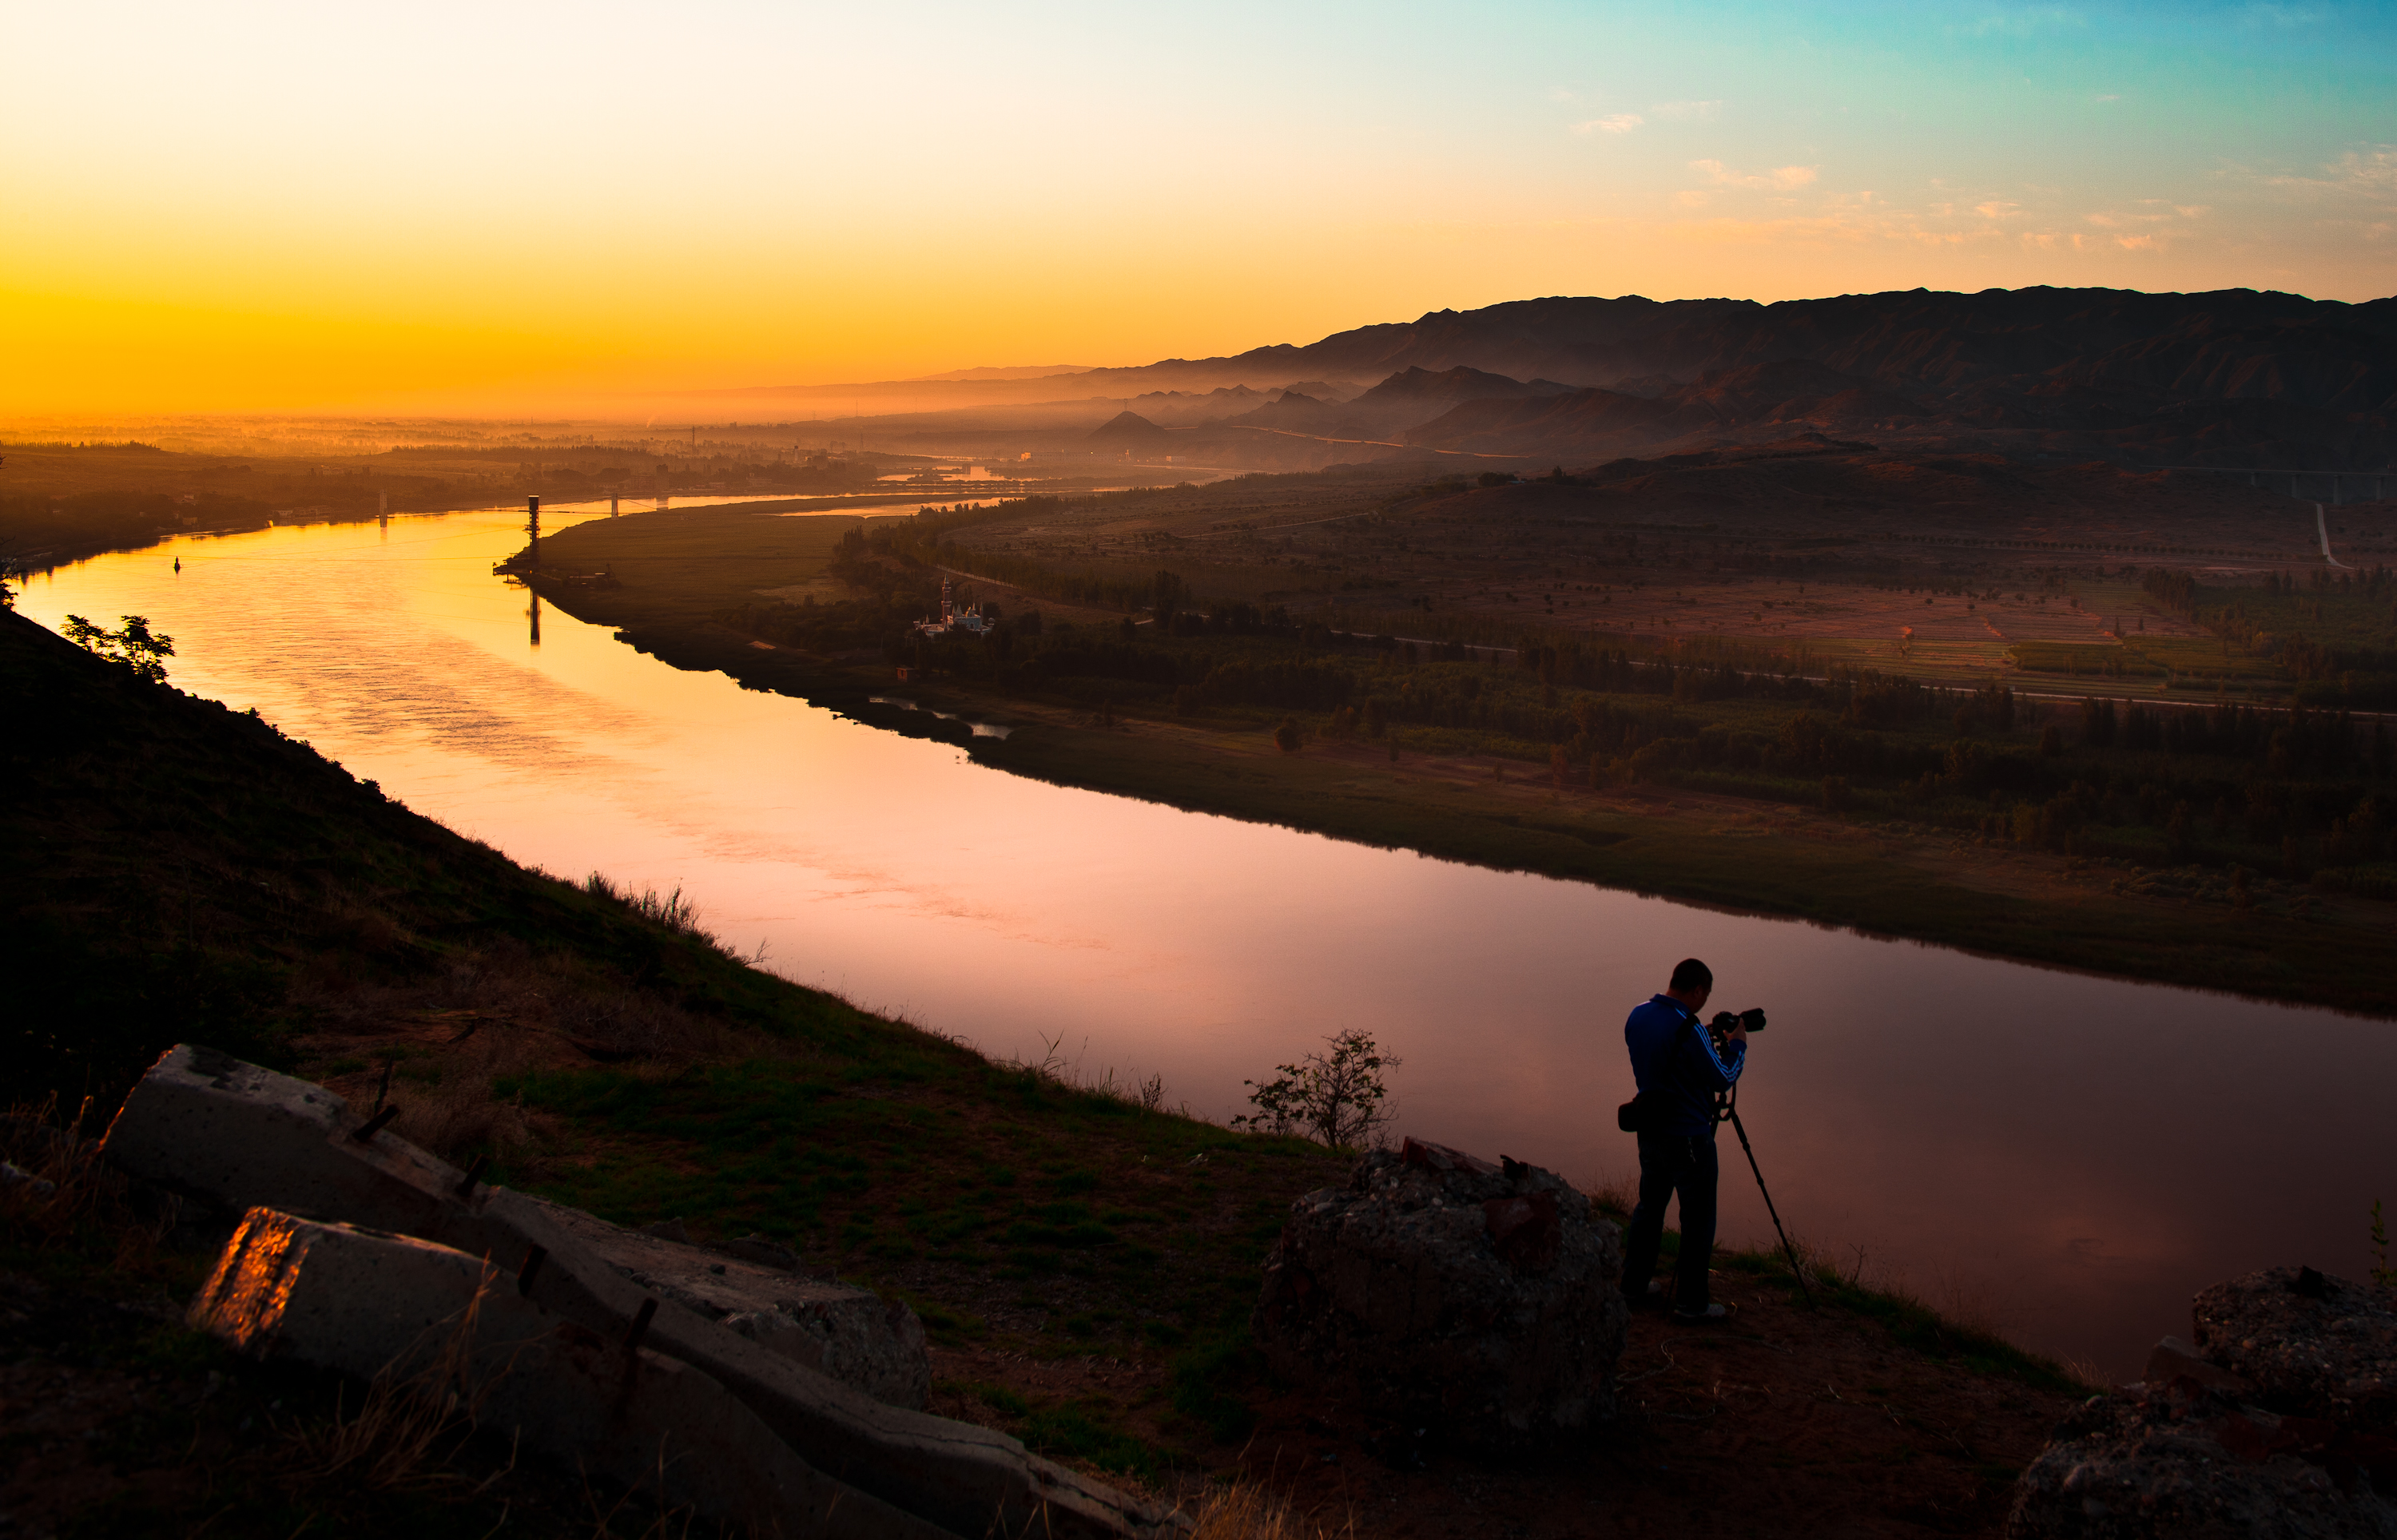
(283, 207)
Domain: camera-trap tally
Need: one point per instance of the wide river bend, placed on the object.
(2064, 1157)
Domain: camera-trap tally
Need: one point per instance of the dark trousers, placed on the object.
(1671, 1163)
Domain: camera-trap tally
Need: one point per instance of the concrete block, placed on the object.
(237, 1136)
(371, 1304)
(865, 1341)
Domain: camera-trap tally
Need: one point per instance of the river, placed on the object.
(2062, 1156)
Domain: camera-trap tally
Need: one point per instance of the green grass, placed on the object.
(678, 566)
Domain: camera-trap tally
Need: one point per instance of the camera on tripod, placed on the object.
(1724, 1021)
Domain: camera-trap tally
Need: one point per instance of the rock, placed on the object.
(2314, 1346)
(374, 1305)
(2172, 1358)
(871, 1344)
(669, 1229)
(2275, 1423)
(1481, 1300)
(2183, 1463)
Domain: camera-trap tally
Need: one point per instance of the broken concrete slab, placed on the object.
(857, 1337)
(235, 1135)
(408, 1311)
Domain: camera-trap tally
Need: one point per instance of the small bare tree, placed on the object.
(1335, 1098)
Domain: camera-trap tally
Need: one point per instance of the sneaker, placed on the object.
(1710, 1312)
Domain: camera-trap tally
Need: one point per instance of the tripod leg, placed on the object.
(1791, 1252)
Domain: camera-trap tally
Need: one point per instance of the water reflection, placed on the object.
(2071, 1157)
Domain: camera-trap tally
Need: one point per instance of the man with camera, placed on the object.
(1681, 1065)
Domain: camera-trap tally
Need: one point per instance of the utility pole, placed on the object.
(533, 528)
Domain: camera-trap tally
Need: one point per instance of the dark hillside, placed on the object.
(175, 870)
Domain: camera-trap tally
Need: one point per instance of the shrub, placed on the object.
(1336, 1098)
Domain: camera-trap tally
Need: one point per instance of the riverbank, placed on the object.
(1083, 1257)
(1960, 857)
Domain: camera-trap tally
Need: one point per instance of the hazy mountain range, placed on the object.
(2233, 377)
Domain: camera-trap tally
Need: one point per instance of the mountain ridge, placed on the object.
(2232, 376)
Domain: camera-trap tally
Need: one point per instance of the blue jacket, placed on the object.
(1678, 1072)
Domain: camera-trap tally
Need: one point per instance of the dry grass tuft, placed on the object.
(1615, 1195)
(461, 1111)
(1246, 1510)
(409, 1424)
(54, 1188)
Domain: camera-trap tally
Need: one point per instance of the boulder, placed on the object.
(2275, 1422)
(1481, 1300)
(2181, 1462)
(2313, 1346)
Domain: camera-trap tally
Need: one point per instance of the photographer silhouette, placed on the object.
(1681, 1067)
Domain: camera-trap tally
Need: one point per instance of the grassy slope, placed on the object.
(1680, 847)
(172, 868)
(175, 871)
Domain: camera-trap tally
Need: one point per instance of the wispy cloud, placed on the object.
(1996, 209)
(2368, 173)
(1613, 123)
(1783, 178)
(1689, 111)
(2282, 16)
(2025, 20)
(2373, 172)
(2151, 224)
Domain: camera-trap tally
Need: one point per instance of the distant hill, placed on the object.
(1189, 408)
(1006, 371)
(1415, 395)
(2233, 377)
(1296, 412)
(1128, 429)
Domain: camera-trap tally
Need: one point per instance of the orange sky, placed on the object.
(372, 208)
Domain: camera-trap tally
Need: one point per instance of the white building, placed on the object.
(973, 622)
